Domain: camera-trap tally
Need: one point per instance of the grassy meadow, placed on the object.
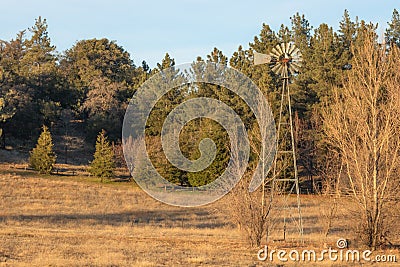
(74, 220)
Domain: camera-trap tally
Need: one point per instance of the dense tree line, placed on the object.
(96, 78)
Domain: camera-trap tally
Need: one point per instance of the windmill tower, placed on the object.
(285, 60)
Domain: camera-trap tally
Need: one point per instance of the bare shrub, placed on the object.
(248, 213)
(363, 124)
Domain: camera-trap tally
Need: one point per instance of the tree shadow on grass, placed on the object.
(175, 218)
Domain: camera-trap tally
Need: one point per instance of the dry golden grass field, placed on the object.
(77, 221)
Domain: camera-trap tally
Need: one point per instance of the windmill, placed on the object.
(285, 60)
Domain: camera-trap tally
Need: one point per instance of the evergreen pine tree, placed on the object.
(42, 157)
(158, 115)
(325, 65)
(346, 34)
(302, 96)
(301, 32)
(103, 164)
(262, 75)
(284, 34)
(392, 35)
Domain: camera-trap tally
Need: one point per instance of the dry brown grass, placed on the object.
(75, 221)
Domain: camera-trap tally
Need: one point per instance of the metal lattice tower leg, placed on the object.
(285, 59)
(285, 181)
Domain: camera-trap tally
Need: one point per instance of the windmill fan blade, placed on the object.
(297, 55)
(297, 59)
(293, 68)
(260, 58)
(296, 65)
(274, 53)
(288, 59)
(283, 46)
(296, 51)
(294, 54)
(287, 48)
(292, 48)
(279, 49)
(297, 62)
(276, 67)
(279, 71)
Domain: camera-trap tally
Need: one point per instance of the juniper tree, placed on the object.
(42, 157)
(103, 164)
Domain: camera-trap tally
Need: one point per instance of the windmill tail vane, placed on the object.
(260, 58)
(285, 59)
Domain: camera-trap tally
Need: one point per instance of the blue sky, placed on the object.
(183, 28)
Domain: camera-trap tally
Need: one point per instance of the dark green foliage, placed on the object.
(98, 57)
(96, 79)
(326, 55)
(346, 36)
(392, 34)
(31, 79)
(168, 101)
(205, 128)
(93, 59)
(194, 131)
(103, 164)
(5, 114)
(102, 77)
(42, 157)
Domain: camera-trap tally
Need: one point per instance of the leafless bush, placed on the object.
(249, 214)
(363, 124)
(251, 211)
